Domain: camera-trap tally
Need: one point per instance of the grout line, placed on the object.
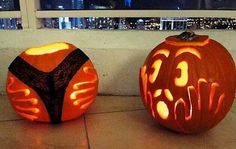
(114, 111)
(86, 130)
(115, 95)
(2, 121)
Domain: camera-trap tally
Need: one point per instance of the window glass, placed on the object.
(138, 4)
(139, 23)
(8, 5)
(10, 23)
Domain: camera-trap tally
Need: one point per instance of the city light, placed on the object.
(9, 23)
(108, 23)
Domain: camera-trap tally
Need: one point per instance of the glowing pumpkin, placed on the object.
(52, 83)
(188, 83)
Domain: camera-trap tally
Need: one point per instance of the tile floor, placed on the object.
(112, 122)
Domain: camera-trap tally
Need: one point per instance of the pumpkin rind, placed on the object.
(201, 102)
(39, 82)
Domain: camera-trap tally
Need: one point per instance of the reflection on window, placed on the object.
(140, 23)
(10, 23)
(6, 5)
(138, 4)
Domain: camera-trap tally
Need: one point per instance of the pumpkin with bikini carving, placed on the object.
(52, 83)
(188, 82)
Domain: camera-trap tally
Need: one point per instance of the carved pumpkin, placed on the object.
(188, 83)
(52, 83)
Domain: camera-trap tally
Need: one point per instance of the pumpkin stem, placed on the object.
(187, 35)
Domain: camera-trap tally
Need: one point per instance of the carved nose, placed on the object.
(157, 92)
(167, 93)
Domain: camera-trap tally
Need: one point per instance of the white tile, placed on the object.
(23, 134)
(224, 134)
(136, 130)
(6, 110)
(115, 103)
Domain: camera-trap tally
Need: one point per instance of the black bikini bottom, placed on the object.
(50, 86)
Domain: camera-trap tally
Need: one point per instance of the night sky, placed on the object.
(145, 4)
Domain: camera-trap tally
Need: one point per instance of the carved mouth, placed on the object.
(194, 99)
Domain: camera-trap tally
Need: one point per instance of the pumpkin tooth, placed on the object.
(219, 104)
(212, 94)
(181, 101)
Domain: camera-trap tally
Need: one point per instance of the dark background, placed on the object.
(146, 4)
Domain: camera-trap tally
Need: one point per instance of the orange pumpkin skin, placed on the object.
(188, 85)
(52, 83)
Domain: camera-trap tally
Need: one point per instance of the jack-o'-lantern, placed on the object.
(188, 82)
(52, 83)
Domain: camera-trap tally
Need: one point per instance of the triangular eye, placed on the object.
(182, 80)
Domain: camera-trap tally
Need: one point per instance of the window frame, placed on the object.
(31, 14)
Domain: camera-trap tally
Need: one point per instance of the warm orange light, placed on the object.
(212, 94)
(78, 89)
(51, 48)
(183, 79)
(222, 96)
(34, 110)
(33, 101)
(181, 101)
(157, 93)
(74, 94)
(27, 116)
(162, 51)
(93, 80)
(10, 84)
(200, 81)
(168, 95)
(162, 110)
(151, 103)
(156, 65)
(86, 105)
(188, 50)
(81, 100)
(144, 81)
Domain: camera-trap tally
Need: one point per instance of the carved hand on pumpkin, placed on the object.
(81, 96)
(24, 105)
(53, 83)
